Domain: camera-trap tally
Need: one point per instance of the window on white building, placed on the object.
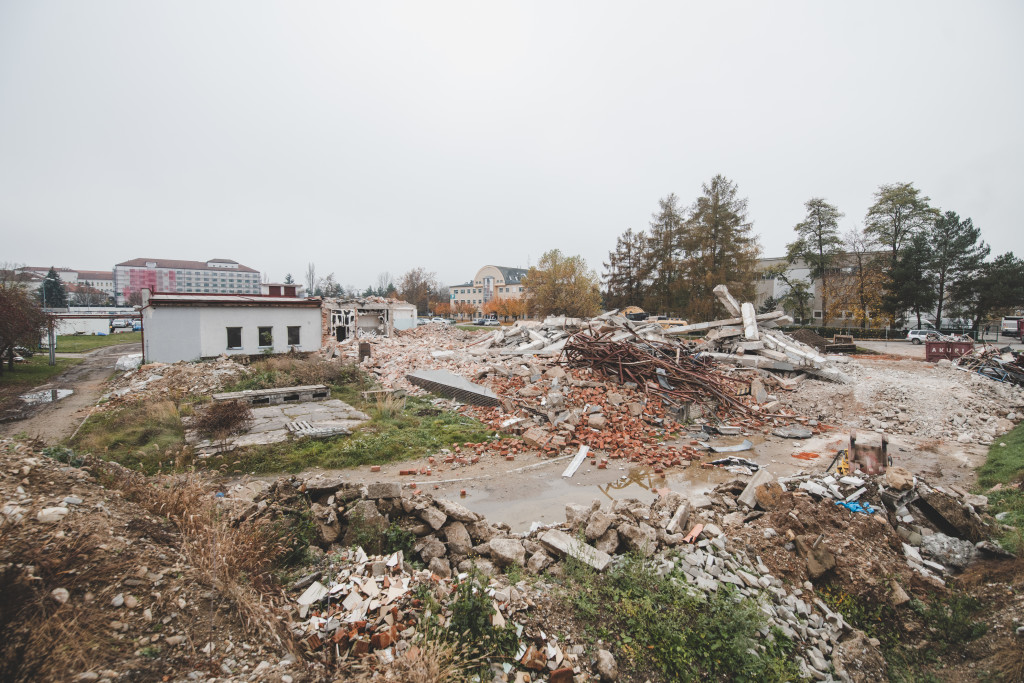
(266, 337)
(293, 335)
(234, 337)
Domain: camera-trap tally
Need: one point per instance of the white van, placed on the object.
(1008, 326)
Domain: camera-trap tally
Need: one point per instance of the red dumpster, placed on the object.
(937, 350)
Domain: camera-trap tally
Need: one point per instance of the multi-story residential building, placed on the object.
(169, 276)
(490, 282)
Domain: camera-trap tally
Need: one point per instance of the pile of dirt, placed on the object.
(99, 585)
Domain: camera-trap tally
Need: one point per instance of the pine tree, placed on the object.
(53, 292)
(913, 281)
(662, 258)
(624, 270)
(720, 248)
(957, 253)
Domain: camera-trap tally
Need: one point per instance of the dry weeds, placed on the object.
(235, 561)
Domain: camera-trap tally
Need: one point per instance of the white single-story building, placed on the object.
(194, 326)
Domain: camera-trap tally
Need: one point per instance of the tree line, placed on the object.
(672, 267)
(906, 257)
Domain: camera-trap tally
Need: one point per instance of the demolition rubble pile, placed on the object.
(923, 400)
(1002, 365)
(752, 340)
(174, 381)
(364, 605)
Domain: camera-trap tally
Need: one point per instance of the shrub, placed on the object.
(660, 622)
(221, 419)
(64, 455)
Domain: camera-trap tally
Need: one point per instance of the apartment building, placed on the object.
(216, 276)
(490, 282)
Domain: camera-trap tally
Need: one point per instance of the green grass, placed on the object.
(417, 430)
(146, 436)
(659, 624)
(1005, 465)
(35, 371)
(80, 343)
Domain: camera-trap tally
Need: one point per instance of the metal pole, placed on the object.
(53, 344)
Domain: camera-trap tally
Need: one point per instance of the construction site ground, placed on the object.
(149, 599)
(54, 421)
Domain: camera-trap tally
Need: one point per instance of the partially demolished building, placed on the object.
(373, 316)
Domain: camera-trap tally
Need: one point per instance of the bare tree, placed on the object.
(87, 295)
(312, 282)
(383, 283)
(21, 322)
(416, 287)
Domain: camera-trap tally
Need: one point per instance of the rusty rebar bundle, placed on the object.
(666, 370)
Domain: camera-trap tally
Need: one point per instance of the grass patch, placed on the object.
(144, 436)
(1005, 466)
(80, 343)
(150, 436)
(34, 371)
(659, 623)
(388, 437)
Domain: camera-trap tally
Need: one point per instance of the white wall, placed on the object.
(174, 333)
(171, 334)
(83, 326)
(216, 319)
(403, 317)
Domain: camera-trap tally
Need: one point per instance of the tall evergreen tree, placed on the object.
(720, 248)
(662, 257)
(997, 285)
(818, 244)
(624, 270)
(957, 253)
(913, 282)
(53, 293)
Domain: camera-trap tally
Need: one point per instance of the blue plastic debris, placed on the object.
(219, 494)
(857, 507)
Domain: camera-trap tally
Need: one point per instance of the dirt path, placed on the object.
(52, 422)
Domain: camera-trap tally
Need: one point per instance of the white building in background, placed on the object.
(195, 326)
(100, 280)
(216, 276)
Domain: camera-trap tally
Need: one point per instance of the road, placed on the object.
(901, 347)
(53, 422)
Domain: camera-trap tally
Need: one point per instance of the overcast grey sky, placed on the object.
(380, 136)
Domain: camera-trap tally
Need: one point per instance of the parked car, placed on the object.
(479, 321)
(422, 321)
(121, 322)
(444, 321)
(918, 336)
(491, 322)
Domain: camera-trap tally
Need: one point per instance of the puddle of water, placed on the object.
(48, 396)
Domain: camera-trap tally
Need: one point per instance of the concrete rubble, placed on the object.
(368, 607)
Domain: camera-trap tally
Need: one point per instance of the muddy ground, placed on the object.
(53, 421)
